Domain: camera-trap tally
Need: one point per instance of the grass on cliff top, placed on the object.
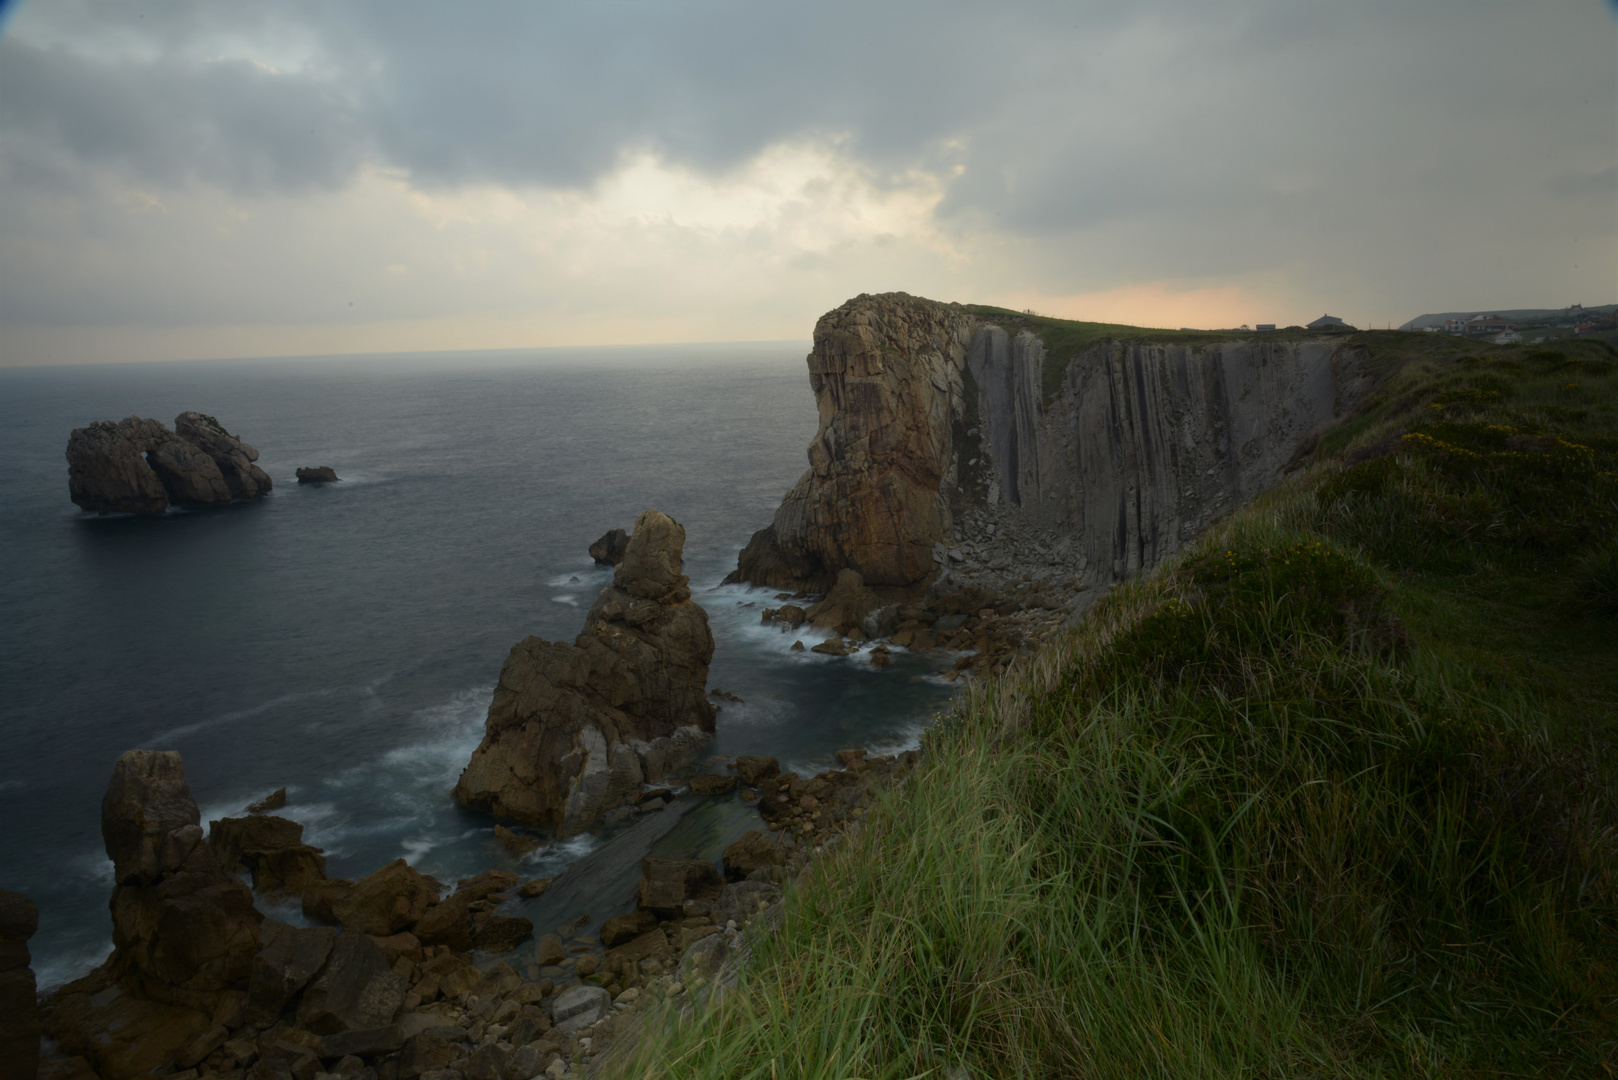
(1332, 795)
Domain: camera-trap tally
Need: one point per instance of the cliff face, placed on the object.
(576, 729)
(930, 414)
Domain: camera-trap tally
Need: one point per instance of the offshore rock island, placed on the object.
(138, 466)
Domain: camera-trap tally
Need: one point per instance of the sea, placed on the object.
(343, 640)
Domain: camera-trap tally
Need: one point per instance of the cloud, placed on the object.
(661, 165)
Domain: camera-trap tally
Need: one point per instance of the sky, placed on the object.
(184, 180)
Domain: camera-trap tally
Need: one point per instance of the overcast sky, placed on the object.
(183, 180)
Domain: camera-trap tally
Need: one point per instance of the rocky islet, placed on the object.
(139, 466)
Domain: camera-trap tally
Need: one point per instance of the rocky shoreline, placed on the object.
(391, 980)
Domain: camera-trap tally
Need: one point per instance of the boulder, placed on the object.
(578, 1007)
(357, 989)
(122, 1034)
(549, 951)
(754, 851)
(288, 957)
(498, 934)
(575, 730)
(453, 920)
(387, 901)
(19, 1012)
(666, 884)
(514, 842)
(319, 474)
(713, 784)
(610, 549)
(752, 769)
(622, 928)
(845, 608)
(534, 888)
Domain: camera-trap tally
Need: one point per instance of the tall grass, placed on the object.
(1243, 822)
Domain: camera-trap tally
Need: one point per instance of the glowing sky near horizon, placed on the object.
(190, 179)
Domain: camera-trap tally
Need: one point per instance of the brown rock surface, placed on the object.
(358, 989)
(575, 730)
(272, 848)
(886, 374)
(387, 901)
(846, 606)
(19, 1013)
(233, 457)
(753, 768)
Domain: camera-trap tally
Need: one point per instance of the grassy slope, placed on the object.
(1332, 795)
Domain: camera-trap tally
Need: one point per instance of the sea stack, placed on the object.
(138, 466)
(576, 729)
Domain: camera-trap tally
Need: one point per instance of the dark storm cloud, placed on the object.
(167, 121)
(516, 93)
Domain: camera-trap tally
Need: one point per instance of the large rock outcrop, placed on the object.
(184, 930)
(138, 466)
(930, 412)
(577, 729)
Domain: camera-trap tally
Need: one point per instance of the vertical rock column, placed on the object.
(19, 1012)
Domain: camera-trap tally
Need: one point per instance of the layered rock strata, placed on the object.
(138, 466)
(577, 729)
(938, 424)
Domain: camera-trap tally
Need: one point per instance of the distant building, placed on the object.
(1485, 326)
(1327, 322)
(1266, 326)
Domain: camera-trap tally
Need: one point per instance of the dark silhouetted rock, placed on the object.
(233, 457)
(610, 549)
(576, 730)
(322, 474)
(754, 851)
(713, 784)
(272, 848)
(357, 990)
(273, 801)
(19, 1012)
(387, 901)
(751, 769)
(288, 957)
(149, 821)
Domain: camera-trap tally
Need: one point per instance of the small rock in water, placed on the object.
(274, 801)
(320, 474)
(536, 887)
(797, 646)
(514, 842)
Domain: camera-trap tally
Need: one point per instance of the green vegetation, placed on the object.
(1332, 795)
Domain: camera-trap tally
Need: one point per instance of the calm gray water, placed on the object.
(343, 641)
